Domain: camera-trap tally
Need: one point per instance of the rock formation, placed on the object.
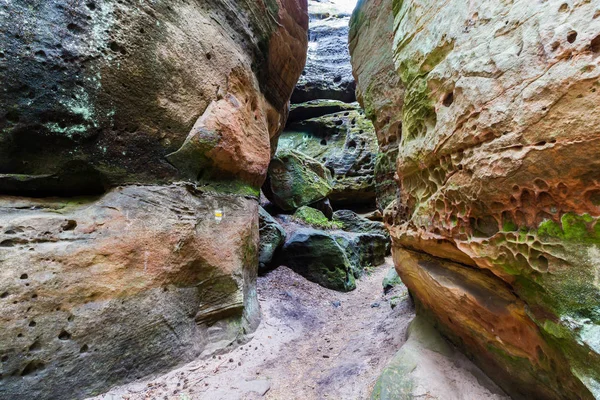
(328, 73)
(325, 123)
(152, 124)
(495, 228)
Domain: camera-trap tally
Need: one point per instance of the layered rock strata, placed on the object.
(152, 124)
(495, 228)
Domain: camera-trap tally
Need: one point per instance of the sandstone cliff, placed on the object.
(493, 109)
(145, 120)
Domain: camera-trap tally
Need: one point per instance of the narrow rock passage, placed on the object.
(313, 343)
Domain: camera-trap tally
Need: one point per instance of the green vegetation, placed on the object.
(315, 218)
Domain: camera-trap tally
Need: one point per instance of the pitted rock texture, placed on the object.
(495, 229)
(346, 144)
(328, 73)
(108, 89)
(100, 291)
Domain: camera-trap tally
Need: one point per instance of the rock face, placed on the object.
(427, 366)
(328, 73)
(495, 228)
(162, 117)
(102, 290)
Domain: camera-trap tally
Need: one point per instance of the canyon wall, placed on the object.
(492, 110)
(132, 135)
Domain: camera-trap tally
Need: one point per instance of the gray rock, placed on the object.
(272, 237)
(328, 73)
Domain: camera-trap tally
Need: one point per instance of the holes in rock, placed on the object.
(352, 144)
(4, 359)
(114, 46)
(84, 349)
(40, 53)
(542, 263)
(24, 276)
(12, 116)
(337, 79)
(69, 225)
(595, 44)
(339, 122)
(4, 295)
(35, 346)
(571, 36)
(33, 367)
(91, 5)
(448, 99)
(1, 54)
(540, 184)
(593, 196)
(208, 56)
(74, 28)
(64, 335)
(323, 142)
(563, 8)
(32, 324)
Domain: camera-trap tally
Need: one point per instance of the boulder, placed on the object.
(331, 258)
(496, 224)
(317, 255)
(346, 144)
(328, 73)
(391, 280)
(296, 180)
(272, 237)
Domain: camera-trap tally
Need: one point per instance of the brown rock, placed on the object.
(120, 286)
(496, 228)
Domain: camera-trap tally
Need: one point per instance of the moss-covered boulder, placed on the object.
(295, 180)
(319, 257)
(345, 142)
(272, 237)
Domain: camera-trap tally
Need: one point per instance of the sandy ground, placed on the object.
(312, 343)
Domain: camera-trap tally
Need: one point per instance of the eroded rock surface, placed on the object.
(328, 73)
(165, 112)
(345, 143)
(495, 228)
